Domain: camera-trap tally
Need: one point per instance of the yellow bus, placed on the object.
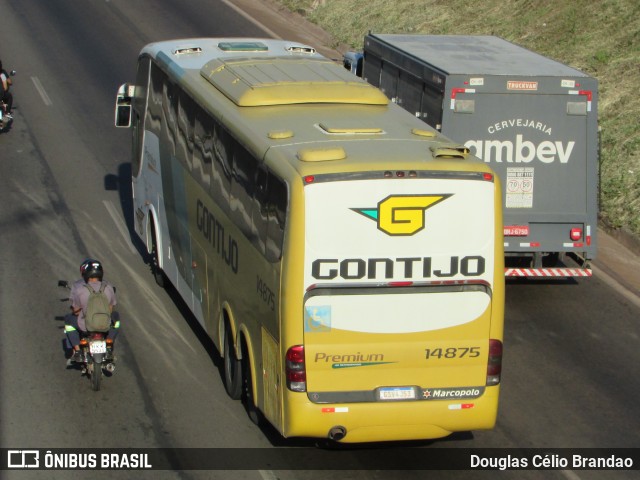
(346, 260)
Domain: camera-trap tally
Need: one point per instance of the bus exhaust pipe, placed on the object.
(337, 433)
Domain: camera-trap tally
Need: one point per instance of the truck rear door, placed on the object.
(538, 143)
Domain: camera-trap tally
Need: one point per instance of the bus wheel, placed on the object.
(248, 397)
(158, 273)
(232, 368)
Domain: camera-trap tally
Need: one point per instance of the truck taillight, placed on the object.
(494, 363)
(575, 234)
(295, 369)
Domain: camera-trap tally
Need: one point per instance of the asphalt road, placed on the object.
(572, 356)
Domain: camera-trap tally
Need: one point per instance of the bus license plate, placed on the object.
(98, 347)
(397, 393)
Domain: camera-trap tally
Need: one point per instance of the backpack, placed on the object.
(97, 317)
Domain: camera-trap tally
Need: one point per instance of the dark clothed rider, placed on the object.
(74, 322)
(6, 95)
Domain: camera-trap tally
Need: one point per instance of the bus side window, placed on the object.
(170, 109)
(242, 186)
(154, 106)
(203, 148)
(223, 145)
(184, 131)
(139, 105)
(259, 211)
(276, 215)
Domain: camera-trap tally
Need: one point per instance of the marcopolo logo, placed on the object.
(401, 214)
(452, 393)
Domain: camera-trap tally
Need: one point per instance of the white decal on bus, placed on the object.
(524, 151)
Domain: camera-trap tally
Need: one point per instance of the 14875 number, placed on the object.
(452, 352)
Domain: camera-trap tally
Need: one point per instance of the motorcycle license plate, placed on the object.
(98, 346)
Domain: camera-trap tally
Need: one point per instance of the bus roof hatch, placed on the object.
(252, 82)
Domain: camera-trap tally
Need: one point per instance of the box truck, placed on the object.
(532, 119)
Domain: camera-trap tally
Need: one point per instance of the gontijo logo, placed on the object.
(401, 214)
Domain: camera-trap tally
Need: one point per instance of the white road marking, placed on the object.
(45, 98)
(268, 475)
(119, 224)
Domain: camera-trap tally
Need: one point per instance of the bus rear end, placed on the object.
(403, 307)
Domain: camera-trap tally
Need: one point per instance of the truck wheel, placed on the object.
(551, 260)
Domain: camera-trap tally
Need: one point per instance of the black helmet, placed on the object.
(91, 268)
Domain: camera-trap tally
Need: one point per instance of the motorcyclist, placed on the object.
(6, 96)
(92, 274)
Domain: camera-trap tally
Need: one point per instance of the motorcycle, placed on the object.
(5, 118)
(96, 352)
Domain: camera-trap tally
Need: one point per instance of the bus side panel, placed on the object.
(498, 303)
(271, 394)
(231, 274)
(148, 198)
(201, 273)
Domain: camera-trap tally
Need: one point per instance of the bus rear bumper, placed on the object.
(390, 421)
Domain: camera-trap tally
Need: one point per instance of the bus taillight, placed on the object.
(494, 363)
(295, 369)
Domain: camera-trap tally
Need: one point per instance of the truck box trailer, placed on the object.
(532, 119)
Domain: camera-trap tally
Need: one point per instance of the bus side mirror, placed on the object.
(123, 105)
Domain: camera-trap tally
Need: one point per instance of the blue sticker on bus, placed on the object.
(317, 319)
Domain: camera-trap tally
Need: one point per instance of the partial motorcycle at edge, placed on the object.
(5, 117)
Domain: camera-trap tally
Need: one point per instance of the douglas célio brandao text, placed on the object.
(550, 461)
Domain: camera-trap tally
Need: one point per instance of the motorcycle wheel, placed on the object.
(232, 368)
(96, 376)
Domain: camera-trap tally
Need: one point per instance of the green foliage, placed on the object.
(599, 37)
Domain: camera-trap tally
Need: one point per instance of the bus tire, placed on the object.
(232, 367)
(248, 397)
(158, 273)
